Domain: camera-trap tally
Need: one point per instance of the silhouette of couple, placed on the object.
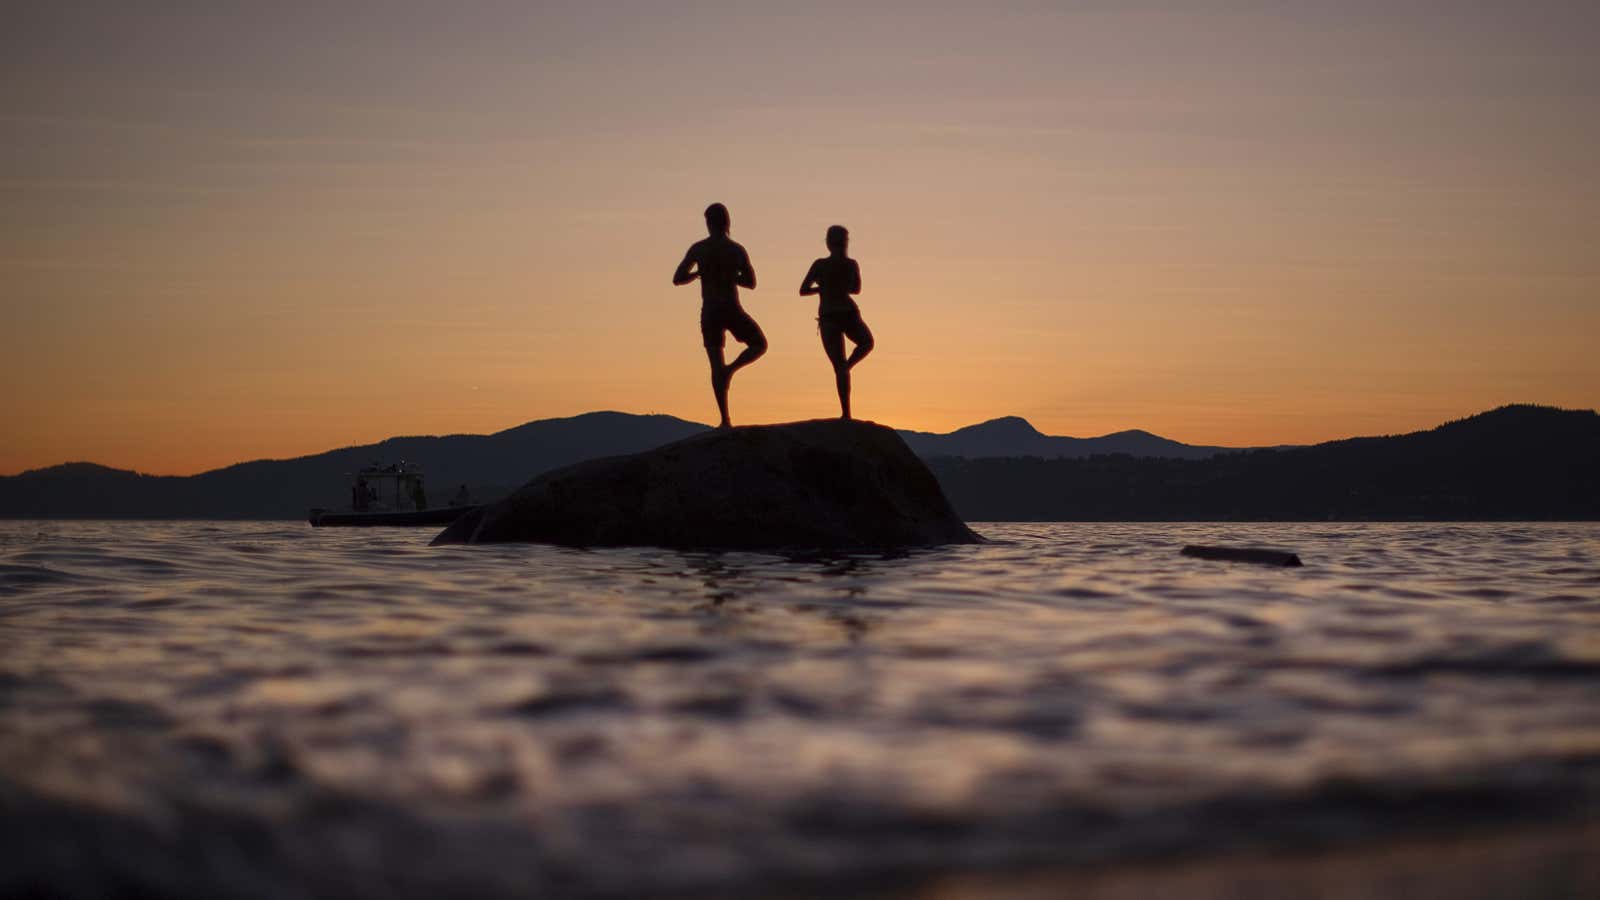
(723, 266)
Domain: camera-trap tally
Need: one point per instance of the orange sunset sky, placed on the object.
(241, 230)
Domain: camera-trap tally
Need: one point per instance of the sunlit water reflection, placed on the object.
(281, 711)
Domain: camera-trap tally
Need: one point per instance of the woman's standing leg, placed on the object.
(833, 345)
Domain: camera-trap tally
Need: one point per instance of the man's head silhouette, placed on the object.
(838, 238)
(717, 220)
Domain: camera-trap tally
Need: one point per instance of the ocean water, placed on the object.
(264, 709)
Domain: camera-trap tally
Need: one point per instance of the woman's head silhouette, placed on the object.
(838, 238)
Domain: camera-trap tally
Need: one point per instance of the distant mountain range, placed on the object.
(490, 465)
(1013, 436)
(1515, 462)
(1519, 461)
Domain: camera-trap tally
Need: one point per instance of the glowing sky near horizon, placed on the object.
(241, 230)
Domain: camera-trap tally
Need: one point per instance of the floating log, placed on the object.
(1244, 554)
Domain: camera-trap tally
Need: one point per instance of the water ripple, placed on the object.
(625, 720)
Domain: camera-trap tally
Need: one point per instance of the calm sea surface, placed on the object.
(270, 710)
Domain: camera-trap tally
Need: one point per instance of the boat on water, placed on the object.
(391, 495)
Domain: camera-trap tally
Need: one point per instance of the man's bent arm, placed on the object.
(683, 275)
(747, 273)
(855, 279)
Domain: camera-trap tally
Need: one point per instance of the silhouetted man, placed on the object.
(834, 278)
(722, 267)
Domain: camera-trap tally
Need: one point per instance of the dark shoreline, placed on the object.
(69, 850)
(8, 517)
(1536, 862)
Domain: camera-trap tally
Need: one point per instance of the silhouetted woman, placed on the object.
(834, 278)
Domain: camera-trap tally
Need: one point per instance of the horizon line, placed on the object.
(397, 437)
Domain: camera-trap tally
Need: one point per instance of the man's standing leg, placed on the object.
(746, 331)
(720, 376)
(755, 345)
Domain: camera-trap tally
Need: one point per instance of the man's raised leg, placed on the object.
(752, 352)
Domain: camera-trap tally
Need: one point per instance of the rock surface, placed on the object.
(825, 484)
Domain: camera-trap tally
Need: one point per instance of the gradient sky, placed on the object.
(241, 230)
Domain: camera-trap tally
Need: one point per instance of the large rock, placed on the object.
(827, 484)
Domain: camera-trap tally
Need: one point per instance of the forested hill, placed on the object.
(490, 465)
(1516, 462)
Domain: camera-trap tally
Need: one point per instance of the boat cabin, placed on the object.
(391, 495)
(392, 488)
